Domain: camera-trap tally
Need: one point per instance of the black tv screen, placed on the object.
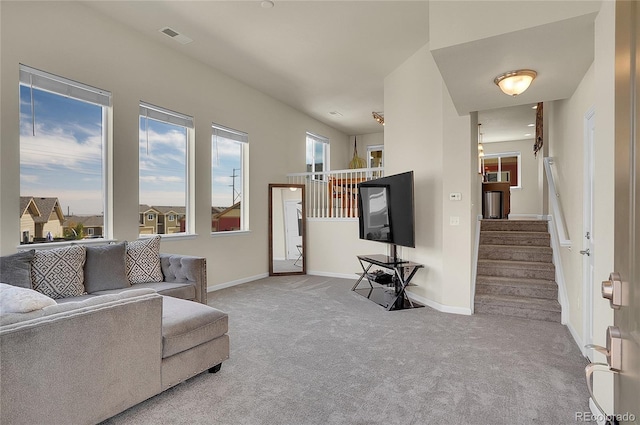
(386, 210)
(375, 223)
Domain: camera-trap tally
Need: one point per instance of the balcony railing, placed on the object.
(333, 194)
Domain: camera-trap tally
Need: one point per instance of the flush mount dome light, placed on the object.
(515, 82)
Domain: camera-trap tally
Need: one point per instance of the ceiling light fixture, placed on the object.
(378, 116)
(266, 4)
(515, 82)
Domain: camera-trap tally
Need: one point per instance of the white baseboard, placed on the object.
(527, 217)
(576, 337)
(352, 276)
(440, 307)
(600, 418)
(236, 282)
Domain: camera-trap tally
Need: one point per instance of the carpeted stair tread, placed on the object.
(514, 238)
(509, 264)
(533, 288)
(515, 225)
(500, 280)
(540, 254)
(514, 301)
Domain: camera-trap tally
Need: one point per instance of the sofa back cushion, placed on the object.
(59, 272)
(15, 269)
(143, 261)
(105, 268)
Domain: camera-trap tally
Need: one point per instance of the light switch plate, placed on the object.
(454, 221)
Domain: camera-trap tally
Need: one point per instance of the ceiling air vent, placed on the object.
(180, 38)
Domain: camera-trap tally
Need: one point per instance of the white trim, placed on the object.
(52, 245)
(338, 275)
(595, 412)
(587, 226)
(474, 264)
(576, 337)
(229, 284)
(563, 299)
(440, 307)
(230, 233)
(527, 217)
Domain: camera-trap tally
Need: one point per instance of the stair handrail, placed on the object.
(559, 221)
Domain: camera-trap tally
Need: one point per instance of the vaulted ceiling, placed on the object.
(329, 59)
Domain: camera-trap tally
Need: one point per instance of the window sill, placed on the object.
(172, 236)
(230, 233)
(52, 245)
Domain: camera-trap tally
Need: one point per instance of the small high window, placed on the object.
(317, 155)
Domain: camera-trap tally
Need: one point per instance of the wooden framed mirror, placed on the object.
(287, 230)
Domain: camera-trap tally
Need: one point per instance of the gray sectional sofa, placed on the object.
(83, 359)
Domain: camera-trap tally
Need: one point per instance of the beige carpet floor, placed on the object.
(307, 350)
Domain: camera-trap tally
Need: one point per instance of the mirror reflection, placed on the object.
(286, 229)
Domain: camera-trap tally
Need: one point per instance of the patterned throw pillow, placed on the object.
(143, 261)
(59, 272)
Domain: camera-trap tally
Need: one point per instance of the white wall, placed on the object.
(423, 133)
(71, 40)
(528, 199)
(566, 146)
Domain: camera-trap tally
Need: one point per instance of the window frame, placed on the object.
(499, 173)
(168, 116)
(314, 139)
(65, 87)
(243, 139)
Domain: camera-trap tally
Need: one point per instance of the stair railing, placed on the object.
(556, 206)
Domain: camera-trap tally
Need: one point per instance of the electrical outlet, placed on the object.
(454, 221)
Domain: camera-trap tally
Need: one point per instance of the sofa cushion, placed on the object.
(59, 272)
(143, 261)
(186, 291)
(14, 299)
(186, 324)
(105, 268)
(15, 269)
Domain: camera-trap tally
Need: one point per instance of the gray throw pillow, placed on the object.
(143, 261)
(105, 268)
(59, 272)
(15, 269)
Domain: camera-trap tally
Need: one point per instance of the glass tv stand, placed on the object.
(391, 294)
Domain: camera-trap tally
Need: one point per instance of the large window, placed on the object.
(502, 167)
(164, 177)
(63, 170)
(229, 180)
(317, 155)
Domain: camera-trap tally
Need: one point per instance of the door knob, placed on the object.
(612, 290)
(585, 252)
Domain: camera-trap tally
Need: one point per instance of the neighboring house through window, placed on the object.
(229, 179)
(165, 144)
(317, 155)
(63, 144)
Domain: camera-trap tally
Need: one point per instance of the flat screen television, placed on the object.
(386, 210)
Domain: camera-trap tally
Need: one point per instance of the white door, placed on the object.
(293, 237)
(587, 234)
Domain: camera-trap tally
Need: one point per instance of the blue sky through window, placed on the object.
(226, 156)
(64, 158)
(163, 167)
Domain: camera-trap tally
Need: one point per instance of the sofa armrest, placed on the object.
(81, 362)
(186, 268)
